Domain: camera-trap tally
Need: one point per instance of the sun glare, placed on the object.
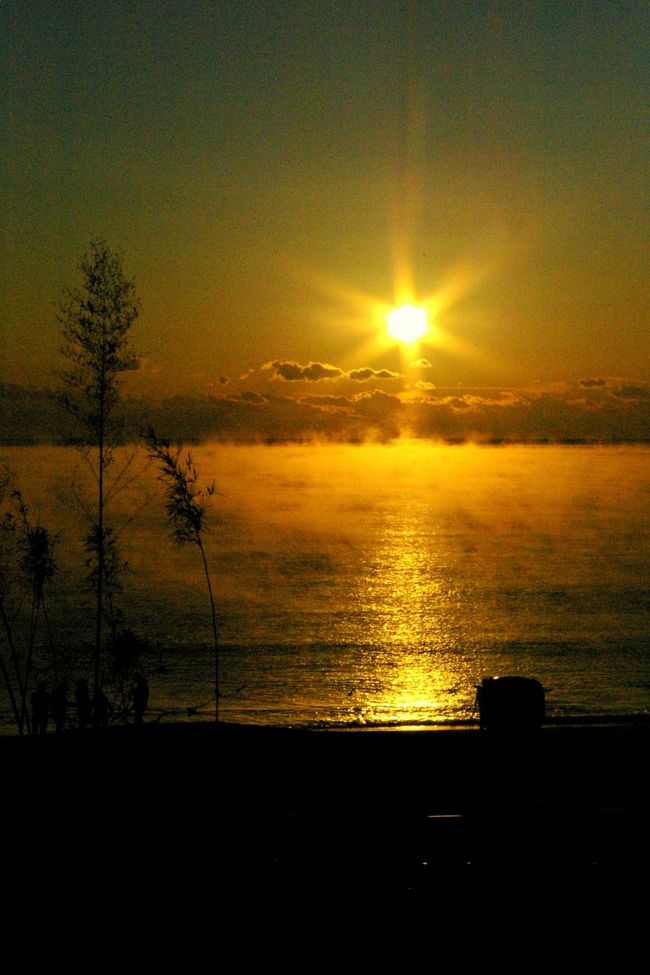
(407, 323)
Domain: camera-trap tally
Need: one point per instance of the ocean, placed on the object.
(370, 585)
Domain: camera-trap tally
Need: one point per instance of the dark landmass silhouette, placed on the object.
(167, 828)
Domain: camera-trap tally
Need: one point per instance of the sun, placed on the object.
(407, 323)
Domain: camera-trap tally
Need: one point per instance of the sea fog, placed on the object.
(370, 585)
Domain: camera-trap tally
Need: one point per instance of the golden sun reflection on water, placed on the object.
(414, 606)
(402, 581)
(417, 686)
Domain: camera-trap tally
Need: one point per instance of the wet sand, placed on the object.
(183, 825)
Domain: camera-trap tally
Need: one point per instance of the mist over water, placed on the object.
(377, 583)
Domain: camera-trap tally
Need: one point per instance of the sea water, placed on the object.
(372, 584)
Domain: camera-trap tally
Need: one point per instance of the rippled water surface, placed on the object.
(376, 583)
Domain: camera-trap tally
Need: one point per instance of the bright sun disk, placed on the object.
(407, 323)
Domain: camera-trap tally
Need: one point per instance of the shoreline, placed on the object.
(453, 724)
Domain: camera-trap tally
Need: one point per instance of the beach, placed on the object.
(180, 824)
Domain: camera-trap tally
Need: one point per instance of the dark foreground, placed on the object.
(191, 831)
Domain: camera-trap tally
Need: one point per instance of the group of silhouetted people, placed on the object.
(46, 706)
(89, 712)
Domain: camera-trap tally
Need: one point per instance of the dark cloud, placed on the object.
(381, 414)
(313, 372)
(539, 416)
(248, 396)
(421, 364)
(468, 397)
(363, 375)
(592, 383)
(33, 416)
(377, 402)
(340, 402)
(632, 392)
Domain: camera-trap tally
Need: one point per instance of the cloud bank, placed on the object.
(277, 402)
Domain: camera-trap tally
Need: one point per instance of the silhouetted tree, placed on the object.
(95, 322)
(186, 505)
(125, 660)
(27, 564)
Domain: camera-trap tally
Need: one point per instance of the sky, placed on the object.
(279, 175)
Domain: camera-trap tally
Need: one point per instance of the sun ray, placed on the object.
(363, 317)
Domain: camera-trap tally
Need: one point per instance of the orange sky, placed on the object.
(278, 175)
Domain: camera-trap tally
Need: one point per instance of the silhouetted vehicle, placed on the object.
(510, 705)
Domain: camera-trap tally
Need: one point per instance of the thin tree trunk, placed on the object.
(52, 645)
(19, 677)
(214, 627)
(100, 546)
(5, 671)
(33, 627)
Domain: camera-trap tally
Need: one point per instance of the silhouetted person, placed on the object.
(140, 697)
(41, 702)
(59, 706)
(84, 704)
(101, 709)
